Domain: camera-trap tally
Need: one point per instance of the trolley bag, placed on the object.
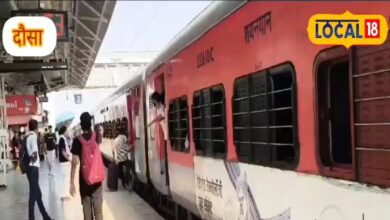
(112, 177)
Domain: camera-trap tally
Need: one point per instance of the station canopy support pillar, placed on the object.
(5, 162)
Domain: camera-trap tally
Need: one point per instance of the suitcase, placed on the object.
(112, 177)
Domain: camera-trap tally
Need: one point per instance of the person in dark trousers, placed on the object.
(120, 154)
(64, 158)
(33, 172)
(91, 195)
(15, 149)
(50, 142)
(57, 142)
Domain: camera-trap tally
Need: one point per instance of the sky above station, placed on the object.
(148, 25)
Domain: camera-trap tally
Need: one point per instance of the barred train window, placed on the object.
(264, 118)
(208, 119)
(178, 124)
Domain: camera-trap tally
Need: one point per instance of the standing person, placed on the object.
(33, 172)
(64, 158)
(120, 154)
(15, 148)
(40, 146)
(91, 190)
(42, 143)
(159, 102)
(57, 141)
(50, 142)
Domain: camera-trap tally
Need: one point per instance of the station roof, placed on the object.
(87, 24)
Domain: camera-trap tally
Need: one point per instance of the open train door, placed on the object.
(159, 87)
(157, 149)
(135, 134)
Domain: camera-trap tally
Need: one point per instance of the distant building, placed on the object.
(115, 68)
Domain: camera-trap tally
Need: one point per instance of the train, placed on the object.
(262, 124)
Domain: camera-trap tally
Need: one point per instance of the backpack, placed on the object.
(92, 167)
(24, 158)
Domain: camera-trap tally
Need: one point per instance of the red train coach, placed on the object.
(262, 123)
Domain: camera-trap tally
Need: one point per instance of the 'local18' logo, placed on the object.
(347, 29)
(29, 36)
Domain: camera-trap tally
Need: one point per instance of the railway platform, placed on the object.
(116, 205)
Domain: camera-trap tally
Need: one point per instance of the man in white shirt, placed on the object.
(159, 102)
(33, 172)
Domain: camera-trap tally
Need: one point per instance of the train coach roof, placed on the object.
(206, 20)
(137, 79)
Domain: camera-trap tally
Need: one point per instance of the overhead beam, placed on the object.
(87, 45)
(98, 14)
(33, 66)
(76, 76)
(74, 60)
(75, 81)
(80, 38)
(89, 18)
(74, 47)
(86, 28)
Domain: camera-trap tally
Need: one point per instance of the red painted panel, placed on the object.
(131, 108)
(21, 104)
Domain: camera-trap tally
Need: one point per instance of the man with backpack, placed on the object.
(85, 149)
(30, 164)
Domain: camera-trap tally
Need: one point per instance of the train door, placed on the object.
(157, 151)
(136, 137)
(161, 142)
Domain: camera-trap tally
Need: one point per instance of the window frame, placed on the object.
(273, 70)
(182, 149)
(203, 152)
(152, 112)
(334, 170)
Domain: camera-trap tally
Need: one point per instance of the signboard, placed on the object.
(37, 65)
(43, 99)
(21, 104)
(77, 98)
(60, 19)
(25, 36)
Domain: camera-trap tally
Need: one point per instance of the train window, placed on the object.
(334, 111)
(208, 122)
(111, 128)
(124, 125)
(264, 118)
(104, 129)
(178, 124)
(152, 113)
(118, 126)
